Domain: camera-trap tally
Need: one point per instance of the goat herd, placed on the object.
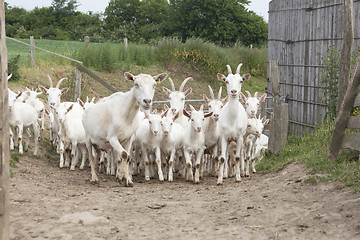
(119, 131)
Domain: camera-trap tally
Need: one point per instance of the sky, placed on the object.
(260, 7)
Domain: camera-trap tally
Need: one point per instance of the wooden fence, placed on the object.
(300, 34)
(79, 67)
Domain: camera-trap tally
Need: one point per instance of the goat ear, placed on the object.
(80, 102)
(154, 111)
(187, 92)
(166, 90)
(225, 99)
(201, 107)
(192, 108)
(221, 77)
(164, 113)
(246, 76)
(128, 76)
(69, 108)
(47, 112)
(266, 122)
(166, 107)
(243, 97)
(208, 114)
(43, 89)
(18, 95)
(64, 90)
(262, 98)
(176, 116)
(206, 99)
(161, 77)
(186, 113)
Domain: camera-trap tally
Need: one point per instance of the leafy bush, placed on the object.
(13, 68)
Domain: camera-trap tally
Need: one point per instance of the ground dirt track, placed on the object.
(52, 203)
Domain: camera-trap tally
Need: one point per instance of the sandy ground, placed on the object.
(52, 203)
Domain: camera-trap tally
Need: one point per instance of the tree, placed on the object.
(122, 19)
(219, 21)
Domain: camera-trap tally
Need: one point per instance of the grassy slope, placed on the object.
(311, 150)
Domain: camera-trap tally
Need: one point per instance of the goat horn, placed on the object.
(181, 88)
(58, 84)
(50, 81)
(219, 95)
(256, 94)
(172, 85)
(211, 93)
(248, 93)
(238, 68)
(229, 69)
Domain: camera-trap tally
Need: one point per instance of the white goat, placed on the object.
(148, 139)
(172, 141)
(261, 145)
(112, 123)
(22, 115)
(177, 100)
(211, 128)
(53, 96)
(71, 132)
(252, 103)
(253, 132)
(232, 122)
(37, 104)
(194, 141)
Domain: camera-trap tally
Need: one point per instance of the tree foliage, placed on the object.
(223, 22)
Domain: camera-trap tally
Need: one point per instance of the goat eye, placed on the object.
(182, 99)
(227, 82)
(192, 119)
(171, 124)
(136, 85)
(150, 122)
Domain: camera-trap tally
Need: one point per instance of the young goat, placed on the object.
(148, 139)
(172, 140)
(22, 115)
(194, 141)
(212, 130)
(72, 133)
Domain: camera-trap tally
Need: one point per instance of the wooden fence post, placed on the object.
(77, 84)
(346, 50)
(32, 50)
(126, 44)
(4, 135)
(87, 42)
(279, 120)
(344, 114)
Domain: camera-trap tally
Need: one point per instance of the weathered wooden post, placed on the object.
(32, 50)
(344, 114)
(87, 42)
(126, 44)
(4, 137)
(346, 50)
(280, 118)
(77, 84)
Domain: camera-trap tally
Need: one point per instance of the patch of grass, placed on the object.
(14, 159)
(311, 151)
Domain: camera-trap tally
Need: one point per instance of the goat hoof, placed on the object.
(129, 184)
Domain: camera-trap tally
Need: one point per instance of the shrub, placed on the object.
(13, 68)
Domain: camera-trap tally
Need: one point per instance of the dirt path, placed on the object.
(52, 203)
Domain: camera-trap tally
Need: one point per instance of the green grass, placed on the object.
(311, 151)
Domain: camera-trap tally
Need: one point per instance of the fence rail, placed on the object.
(78, 65)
